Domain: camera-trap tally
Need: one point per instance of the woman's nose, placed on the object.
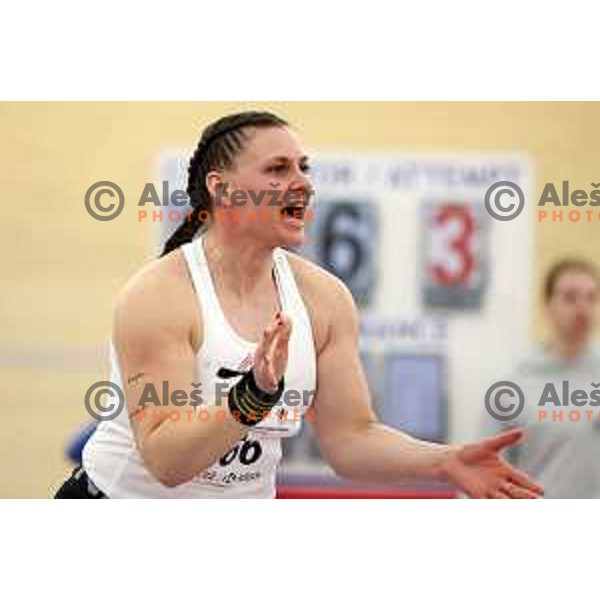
(303, 184)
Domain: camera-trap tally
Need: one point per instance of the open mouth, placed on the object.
(293, 213)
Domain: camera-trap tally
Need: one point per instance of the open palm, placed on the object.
(480, 470)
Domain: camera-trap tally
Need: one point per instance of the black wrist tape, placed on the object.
(248, 403)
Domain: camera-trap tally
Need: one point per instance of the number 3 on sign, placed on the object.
(454, 265)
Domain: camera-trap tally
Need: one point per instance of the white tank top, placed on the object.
(111, 457)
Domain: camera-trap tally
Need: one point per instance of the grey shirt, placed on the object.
(561, 455)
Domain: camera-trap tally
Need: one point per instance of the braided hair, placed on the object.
(219, 146)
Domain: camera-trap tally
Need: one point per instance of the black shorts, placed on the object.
(79, 487)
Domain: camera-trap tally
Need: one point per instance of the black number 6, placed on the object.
(249, 452)
(335, 240)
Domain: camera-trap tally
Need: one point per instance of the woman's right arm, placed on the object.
(157, 329)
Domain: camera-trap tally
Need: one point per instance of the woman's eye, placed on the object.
(277, 169)
(281, 169)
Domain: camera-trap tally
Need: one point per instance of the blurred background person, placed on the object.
(562, 446)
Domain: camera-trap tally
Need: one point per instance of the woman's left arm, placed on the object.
(358, 446)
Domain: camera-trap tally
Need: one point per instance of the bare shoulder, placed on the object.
(328, 299)
(314, 279)
(159, 300)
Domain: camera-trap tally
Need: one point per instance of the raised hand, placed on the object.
(271, 356)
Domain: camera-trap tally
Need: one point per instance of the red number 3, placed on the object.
(457, 247)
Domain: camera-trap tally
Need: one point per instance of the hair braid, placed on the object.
(219, 146)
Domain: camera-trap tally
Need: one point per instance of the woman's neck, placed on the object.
(243, 266)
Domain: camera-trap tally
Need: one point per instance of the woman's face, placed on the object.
(573, 305)
(268, 189)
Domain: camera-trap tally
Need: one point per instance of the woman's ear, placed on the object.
(218, 188)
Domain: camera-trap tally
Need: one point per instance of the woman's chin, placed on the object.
(292, 236)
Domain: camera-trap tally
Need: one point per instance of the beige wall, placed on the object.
(61, 269)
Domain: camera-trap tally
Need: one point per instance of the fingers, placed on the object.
(276, 336)
(268, 336)
(514, 491)
(525, 482)
(516, 484)
(499, 495)
(280, 339)
(503, 440)
(282, 332)
(264, 346)
(271, 352)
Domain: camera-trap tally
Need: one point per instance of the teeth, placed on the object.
(289, 212)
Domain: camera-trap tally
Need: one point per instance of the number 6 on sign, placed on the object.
(454, 254)
(343, 235)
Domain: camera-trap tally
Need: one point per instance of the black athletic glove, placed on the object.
(247, 402)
